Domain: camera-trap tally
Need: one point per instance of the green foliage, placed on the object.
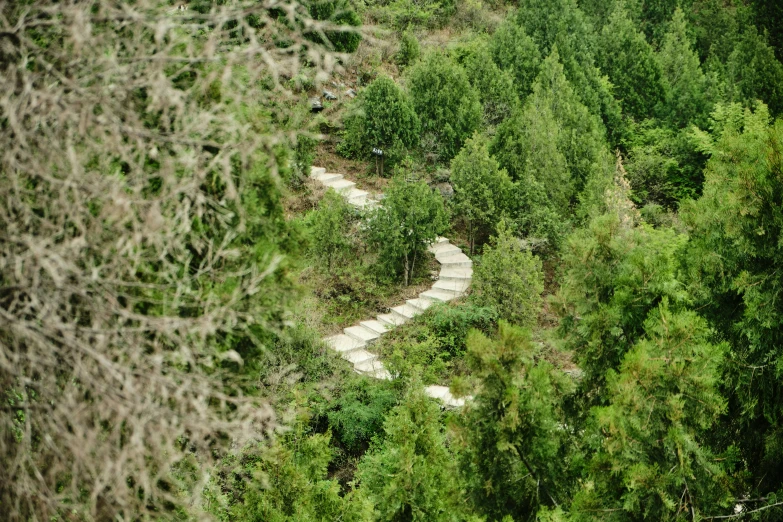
(650, 460)
(407, 222)
(509, 279)
(449, 325)
(515, 52)
(513, 445)
(340, 13)
(409, 48)
(409, 474)
(663, 165)
(626, 57)
(614, 276)
(356, 416)
(494, 86)
(304, 153)
(329, 227)
(382, 117)
(688, 98)
(753, 73)
(481, 188)
(448, 106)
(734, 272)
(550, 148)
(287, 481)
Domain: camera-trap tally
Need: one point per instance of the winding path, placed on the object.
(456, 271)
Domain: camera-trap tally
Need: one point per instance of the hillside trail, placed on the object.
(355, 343)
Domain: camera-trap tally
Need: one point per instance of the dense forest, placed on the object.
(170, 270)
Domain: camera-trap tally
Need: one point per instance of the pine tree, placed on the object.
(688, 97)
(481, 188)
(650, 459)
(449, 108)
(514, 51)
(626, 57)
(513, 446)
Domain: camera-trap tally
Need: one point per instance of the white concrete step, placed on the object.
(405, 312)
(441, 239)
(356, 196)
(455, 274)
(443, 394)
(357, 357)
(421, 304)
(328, 178)
(391, 320)
(362, 334)
(445, 256)
(440, 249)
(315, 171)
(438, 295)
(375, 326)
(342, 186)
(344, 344)
(370, 367)
(376, 373)
(454, 287)
(456, 261)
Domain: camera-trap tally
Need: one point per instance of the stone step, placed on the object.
(455, 274)
(454, 287)
(376, 373)
(441, 239)
(343, 343)
(438, 295)
(315, 171)
(405, 312)
(391, 320)
(421, 304)
(328, 178)
(357, 357)
(376, 326)
(356, 196)
(447, 256)
(456, 261)
(360, 333)
(341, 185)
(443, 394)
(440, 249)
(370, 367)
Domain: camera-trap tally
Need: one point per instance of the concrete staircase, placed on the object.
(454, 280)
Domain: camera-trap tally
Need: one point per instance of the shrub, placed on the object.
(357, 415)
(329, 228)
(509, 279)
(338, 13)
(449, 325)
(409, 49)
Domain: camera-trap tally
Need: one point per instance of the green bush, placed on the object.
(448, 106)
(449, 325)
(337, 12)
(357, 415)
(409, 49)
(382, 117)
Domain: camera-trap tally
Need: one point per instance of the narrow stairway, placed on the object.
(453, 281)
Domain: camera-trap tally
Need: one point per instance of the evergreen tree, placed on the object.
(409, 474)
(734, 272)
(688, 97)
(494, 86)
(449, 108)
(329, 228)
(407, 222)
(514, 51)
(650, 460)
(753, 73)
(383, 118)
(509, 279)
(615, 274)
(481, 188)
(514, 450)
(626, 57)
